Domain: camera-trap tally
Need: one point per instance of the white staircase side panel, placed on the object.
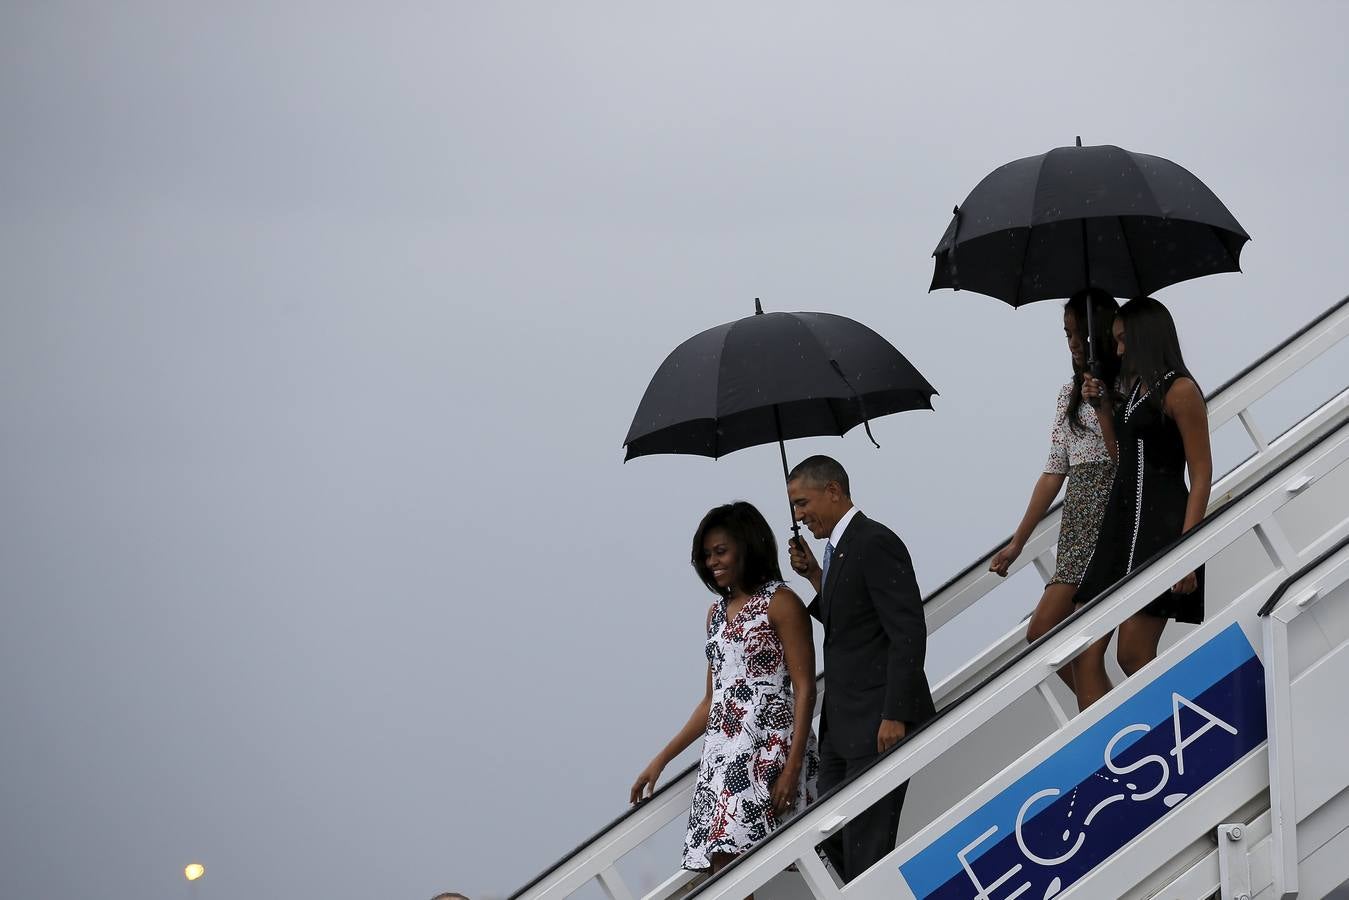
(1320, 713)
(1322, 837)
(1181, 844)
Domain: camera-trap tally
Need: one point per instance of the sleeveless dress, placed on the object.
(749, 731)
(1146, 512)
(1081, 454)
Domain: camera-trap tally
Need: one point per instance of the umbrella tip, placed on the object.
(758, 307)
(1079, 140)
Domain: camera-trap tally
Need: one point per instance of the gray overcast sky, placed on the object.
(321, 325)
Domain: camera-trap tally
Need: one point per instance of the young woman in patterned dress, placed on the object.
(1078, 454)
(1158, 434)
(759, 757)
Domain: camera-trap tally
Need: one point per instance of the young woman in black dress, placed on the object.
(1157, 431)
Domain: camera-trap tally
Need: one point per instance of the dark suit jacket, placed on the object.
(875, 639)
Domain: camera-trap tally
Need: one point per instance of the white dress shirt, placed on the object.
(837, 534)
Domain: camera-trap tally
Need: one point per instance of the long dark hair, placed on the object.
(1103, 311)
(1151, 347)
(750, 532)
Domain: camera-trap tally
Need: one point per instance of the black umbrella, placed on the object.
(772, 377)
(1047, 226)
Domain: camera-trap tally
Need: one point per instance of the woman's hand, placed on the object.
(1187, 585)
(1093, 390)
(1003, 559)
(646, 781)
(784, 789)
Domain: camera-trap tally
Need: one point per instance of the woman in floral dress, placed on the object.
(1078, 454)
(759, 757)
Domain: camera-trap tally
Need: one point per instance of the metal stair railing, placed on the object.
(1233, 400)
(1253, 512)
(1320, 422)
(596, 857)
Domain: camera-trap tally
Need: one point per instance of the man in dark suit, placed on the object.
(875, 641)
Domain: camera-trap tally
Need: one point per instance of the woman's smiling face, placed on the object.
(721, 556)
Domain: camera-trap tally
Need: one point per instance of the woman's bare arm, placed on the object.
(1185, 404)
(1046, 488)
(788, 616)
(694, 728)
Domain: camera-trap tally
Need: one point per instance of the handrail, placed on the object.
(1108, 609)
(974, 582)
(1315, 425)
(1295, 336)
(1210, 399)
(1224, 404)
(1282, 590)
(671, 785)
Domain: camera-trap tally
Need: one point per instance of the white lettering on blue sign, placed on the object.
(1124, 772)
(984, 892)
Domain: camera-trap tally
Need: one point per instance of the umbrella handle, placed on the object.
(799, 544)
(1094, 371)
(1093, 364)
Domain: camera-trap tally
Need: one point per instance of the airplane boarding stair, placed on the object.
(1219, 769)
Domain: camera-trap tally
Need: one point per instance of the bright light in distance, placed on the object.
(194, 871)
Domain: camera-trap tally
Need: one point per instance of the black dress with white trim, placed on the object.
(1146, 510)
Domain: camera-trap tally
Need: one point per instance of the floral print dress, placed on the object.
(1081, 454)
(749, 732)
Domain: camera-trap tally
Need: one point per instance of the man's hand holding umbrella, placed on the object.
(804, 563)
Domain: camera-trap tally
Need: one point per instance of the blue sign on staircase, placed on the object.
(1105, 787)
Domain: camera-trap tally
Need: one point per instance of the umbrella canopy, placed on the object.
(1047, 226)
(772, 377)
